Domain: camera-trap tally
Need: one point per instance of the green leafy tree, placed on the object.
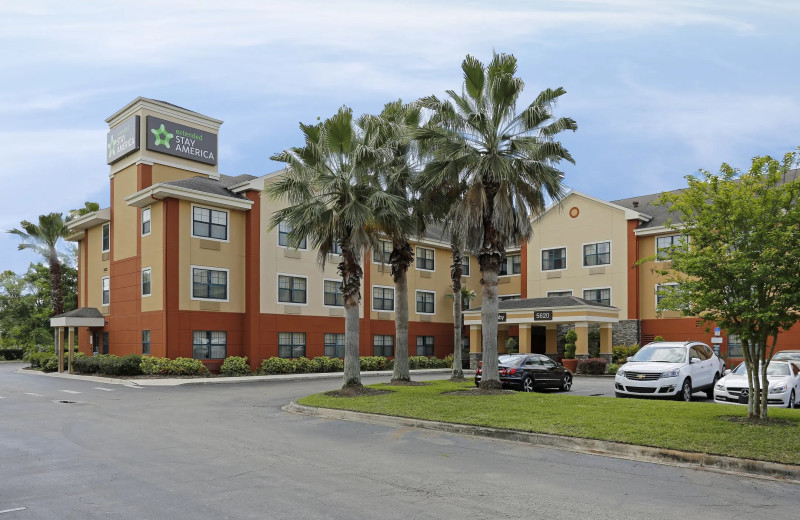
(507, 161)
(43, 238)
(333, 199)
(737, 266)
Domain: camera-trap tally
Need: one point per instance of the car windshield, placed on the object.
(774, 369)
(782, 356)
(661, 354)
(510, 360)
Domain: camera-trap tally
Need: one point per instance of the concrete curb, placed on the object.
(156, 382)
(733, 465)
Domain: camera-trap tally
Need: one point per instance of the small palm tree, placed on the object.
(333, 199)
(88, 207)
(459, 295)
(506, 159)
(43, 239)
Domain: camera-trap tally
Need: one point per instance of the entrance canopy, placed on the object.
(547, 313)
(83, 317)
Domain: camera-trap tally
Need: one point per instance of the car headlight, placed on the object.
(671, 373)
(778, 389)
(720, 386)
(621, 373)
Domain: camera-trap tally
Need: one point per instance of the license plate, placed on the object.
(743, 399)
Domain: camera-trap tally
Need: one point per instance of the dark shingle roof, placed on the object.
(82, 312)
(214, 187)
(548, 302)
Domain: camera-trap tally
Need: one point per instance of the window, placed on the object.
(382, 299)
(382, 254)
(333, 293)
(598, 295)
(425, 346)
(464, 303)
(383, 346)
(209, 284)
(336, 247)
(597, 254)
(553, 259)
(291, 289)
(735, 347)
(291, 344)
(209, 344)
(210, 223)
(284, 228)
(662, 291)
(145, 221)
(146, 342)
(105, 342)
(557, 294)
(146, 285)
(106, 283)
(106, 237)
(425, 302)
(465, 265)
(664, 244)
(506, 297)
(510, 265)
(425, 258)
(334, 345)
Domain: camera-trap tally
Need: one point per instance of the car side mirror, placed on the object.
(727, 371)
(628, 358)
(694, 360)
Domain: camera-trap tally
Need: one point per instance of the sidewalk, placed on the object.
(184, 381)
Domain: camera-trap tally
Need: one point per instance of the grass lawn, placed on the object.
(697, 427)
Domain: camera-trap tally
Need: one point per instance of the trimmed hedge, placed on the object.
(276, 365)
(12, 353)
(156, 366)
(235, 366)
(592, 366)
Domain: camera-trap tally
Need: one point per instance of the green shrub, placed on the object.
(111, 365)
(415, 362)
(612, 368)
(569, 347)
(235, 366)
(154, 366)
(186, 367)
(327, 364)
(39, 359)
(276, 365)
(658, 338)
(51, 364)
(373, 363)
(86, 364)
(11, 353)
(592, 366)
(620, 353)
(448, 360)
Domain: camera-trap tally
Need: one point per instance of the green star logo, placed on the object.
(162, 136)
(111, 145)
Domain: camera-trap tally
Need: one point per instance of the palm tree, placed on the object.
(459, 295)
(507, 162)
(332, 198)
(43, 239)
(88, 207)
(397, 125)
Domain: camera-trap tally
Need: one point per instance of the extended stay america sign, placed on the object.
(122, 140)
(181, 141)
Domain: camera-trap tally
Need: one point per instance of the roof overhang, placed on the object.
(658, 230)
(158, 192)
(90, 220)
(76, 321)
(566, 314)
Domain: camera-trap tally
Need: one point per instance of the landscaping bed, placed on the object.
(693, 427)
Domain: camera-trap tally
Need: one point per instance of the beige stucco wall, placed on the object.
(124, 229)
(153, 257)
(230, 255)
(166, 174)
(648, 279)
(97, 268)
(596, 222)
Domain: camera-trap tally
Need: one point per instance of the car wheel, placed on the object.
(710, 391)
(791, 400)
(527, 384)
(685, 393)
(566, 383)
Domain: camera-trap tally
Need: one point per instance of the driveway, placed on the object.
(80, 449)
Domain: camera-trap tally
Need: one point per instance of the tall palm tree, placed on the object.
(43, 239)
(88, 207)
(332, 199)
(398, 123)
(506, 160)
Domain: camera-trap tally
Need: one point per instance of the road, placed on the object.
(229, 451)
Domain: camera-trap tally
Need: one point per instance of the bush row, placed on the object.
(592, 366)
(11, 353)
(155, 366)
(109, 365)
(276, 365)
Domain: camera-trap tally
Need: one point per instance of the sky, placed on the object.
(659, 88)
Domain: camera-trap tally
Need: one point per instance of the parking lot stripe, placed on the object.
(70, 392)
(12, 510)
(104, 389)
(34, 395)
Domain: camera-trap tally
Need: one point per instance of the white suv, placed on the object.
(669, 369)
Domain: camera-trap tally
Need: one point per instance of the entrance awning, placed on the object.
(83, 317)
(541, 311)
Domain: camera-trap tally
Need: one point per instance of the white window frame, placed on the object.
(102, 291)
(337, 280)
(610, 254)
(209, 268)
(278, 238)
(227, 226)
(566, 259)
(610, 292)
(105, 226)
(278, 289)
(468, 263)
(141, 282)
(416, 250)
(434, 302)
(506, 259)
(372, 297)
(655, 295)
(149, 220)
(548, 294)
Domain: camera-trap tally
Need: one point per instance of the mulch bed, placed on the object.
(407, 383)
(480, 391)
(357, 391)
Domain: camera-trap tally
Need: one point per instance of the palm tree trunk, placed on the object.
(351, 273)
(400, 259)
(56, 290)
(489, 257)
(456, 271)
